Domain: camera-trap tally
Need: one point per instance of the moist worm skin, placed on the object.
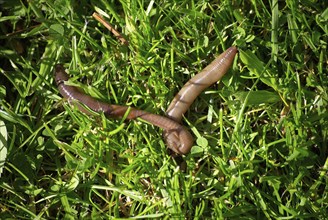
(208, 76)
(177, 137)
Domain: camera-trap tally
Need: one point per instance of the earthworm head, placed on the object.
(60, 74)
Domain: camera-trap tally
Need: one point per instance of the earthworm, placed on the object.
(176, 136)
(208, 76)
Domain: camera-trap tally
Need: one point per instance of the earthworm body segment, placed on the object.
(208, 76)
(176, 136)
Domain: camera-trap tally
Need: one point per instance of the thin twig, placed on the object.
(110, 28)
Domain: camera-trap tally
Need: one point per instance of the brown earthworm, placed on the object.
(177, 137)
(208, 76)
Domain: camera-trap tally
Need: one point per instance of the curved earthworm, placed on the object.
(208, 76)
(177, 137)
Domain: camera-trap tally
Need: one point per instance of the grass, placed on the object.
(261, 133)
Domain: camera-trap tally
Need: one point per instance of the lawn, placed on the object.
(261, 133)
